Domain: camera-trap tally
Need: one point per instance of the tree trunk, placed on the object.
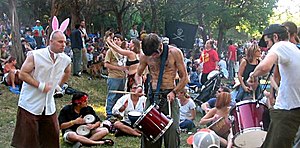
(120, 24)
(75, 13)
(220, 37)
(154, 20)
(16, 51)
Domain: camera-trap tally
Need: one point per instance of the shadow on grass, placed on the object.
(97, 91)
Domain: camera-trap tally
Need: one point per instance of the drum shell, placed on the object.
(247, 118)
(133, 118)
(153, 124)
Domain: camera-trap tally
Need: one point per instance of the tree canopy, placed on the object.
(214, 18)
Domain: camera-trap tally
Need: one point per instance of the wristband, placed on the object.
(42, 86)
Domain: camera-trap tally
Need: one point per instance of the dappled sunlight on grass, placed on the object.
(97, 91)
(100, 110)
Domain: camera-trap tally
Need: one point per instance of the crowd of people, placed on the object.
(151, 72)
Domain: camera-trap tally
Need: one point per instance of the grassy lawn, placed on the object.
(97, 91)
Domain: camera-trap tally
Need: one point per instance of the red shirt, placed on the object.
(209, 59)
(232, 50)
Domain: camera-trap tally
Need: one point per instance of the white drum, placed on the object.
(89, 118)
(83, 130)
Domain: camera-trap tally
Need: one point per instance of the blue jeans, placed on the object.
(113, 84)
(231, 69)
(186, 124)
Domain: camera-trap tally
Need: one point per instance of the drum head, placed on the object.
(134, 113)
(143, 115)
(250, 138)
(89, 118)
(82, 130)
(249, 102)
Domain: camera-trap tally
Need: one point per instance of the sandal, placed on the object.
(108, 142)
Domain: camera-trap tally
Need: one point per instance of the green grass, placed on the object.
(96, 89)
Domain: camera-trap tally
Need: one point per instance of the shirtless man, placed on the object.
(153, 48)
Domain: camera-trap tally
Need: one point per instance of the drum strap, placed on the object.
(265, 86)
(163, 59)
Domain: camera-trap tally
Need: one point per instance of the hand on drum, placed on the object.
(79, 120)
(90, 126)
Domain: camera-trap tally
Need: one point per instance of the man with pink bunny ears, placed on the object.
(42, 72)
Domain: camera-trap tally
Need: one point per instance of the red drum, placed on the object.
(153, 124)
(247, 123)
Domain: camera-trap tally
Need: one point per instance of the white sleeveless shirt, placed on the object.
(31, 98)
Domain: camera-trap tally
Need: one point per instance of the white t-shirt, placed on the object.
(130, 107)
(289, 69)
(185, 110)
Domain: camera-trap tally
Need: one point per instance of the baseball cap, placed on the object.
(204, 138)
(273, 28)
(37, 21)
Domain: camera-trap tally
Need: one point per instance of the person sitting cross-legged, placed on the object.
(126, 104)
(73, 115)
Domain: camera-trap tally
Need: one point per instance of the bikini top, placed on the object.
(129, 63)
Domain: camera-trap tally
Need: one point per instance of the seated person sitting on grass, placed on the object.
(208, 105)
(187, 110)
(221, 110)
(126, 104)
(11, 75)
(71, 117)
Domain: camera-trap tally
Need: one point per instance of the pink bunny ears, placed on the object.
(63, 25)
(55, 25)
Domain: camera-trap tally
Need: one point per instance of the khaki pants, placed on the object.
(84, 59)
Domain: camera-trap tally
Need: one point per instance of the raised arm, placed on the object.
(118, 49)
(140, 70)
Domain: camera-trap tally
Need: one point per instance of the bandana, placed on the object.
(82, 99)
